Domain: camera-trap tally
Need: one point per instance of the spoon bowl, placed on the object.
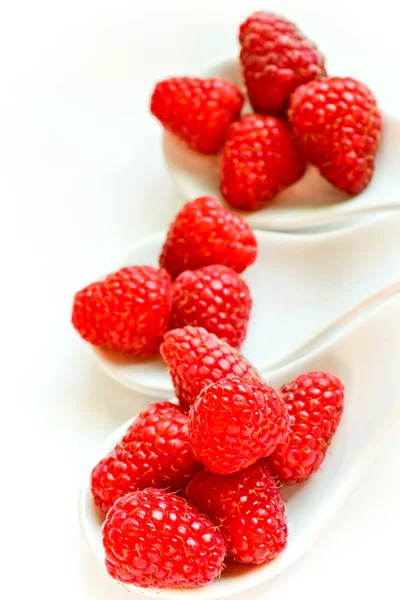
(372, 407)
(310, 202)
(299, 286)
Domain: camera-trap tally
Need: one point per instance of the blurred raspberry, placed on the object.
(199, 111)
(338, 126)
(276, 58)
(259, 160)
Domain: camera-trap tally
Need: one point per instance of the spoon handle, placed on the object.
(371, 210)
(319, 217)
(356, 313)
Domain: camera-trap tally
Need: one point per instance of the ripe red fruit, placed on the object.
(159, 418)
(248, 509)
(213, 297)
(199, 111)
(276, 58)
(128, 311)
(259, 160)
(236, 421)
(205, 233)
(197, 358)
(315, 405)
(338, 126)
(155, 451)
(155, 539)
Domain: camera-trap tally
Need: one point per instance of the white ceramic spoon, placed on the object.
(300, 285)
(312, 201)
(365, 357)
(357, 312)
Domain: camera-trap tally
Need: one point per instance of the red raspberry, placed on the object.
(259, 160)
(128, 311)
(160, 416)
(205, 233)
(155, 539)
(338, 126)
(214, 297)
(248, 509)
(236, 421)
(155, 451)
(276, 58)
(197, 358)
(315, 405)
(199, 111)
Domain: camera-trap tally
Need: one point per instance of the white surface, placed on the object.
(283, 291)
(82, 177)
(364, 425)
(310, 202)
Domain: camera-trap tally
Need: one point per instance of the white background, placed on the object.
(82, 176)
